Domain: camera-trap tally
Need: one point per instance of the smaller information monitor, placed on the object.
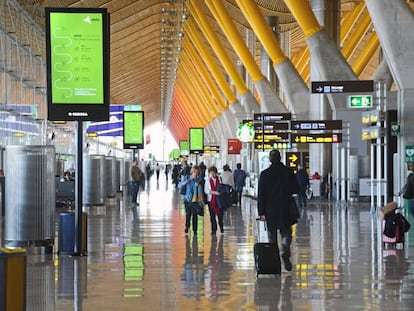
(183, 144)
(196, 140)
(133, 130)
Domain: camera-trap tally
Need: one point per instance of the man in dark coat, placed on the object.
(303, 180)
(276, 186)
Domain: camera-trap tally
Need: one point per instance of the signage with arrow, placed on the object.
(272, 117)
(292, 159)
(360, 101)
(271, 127)
(316, 138)
(335, 87)
(316, 125)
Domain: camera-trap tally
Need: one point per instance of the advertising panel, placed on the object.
(77, 51)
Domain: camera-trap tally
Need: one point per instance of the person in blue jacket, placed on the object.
(190, 182)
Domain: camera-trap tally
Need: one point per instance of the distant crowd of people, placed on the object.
(202, 186)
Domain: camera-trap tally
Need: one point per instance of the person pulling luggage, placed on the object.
(277, 183)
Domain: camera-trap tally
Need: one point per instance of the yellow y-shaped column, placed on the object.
(270, 101)
(328, 59)
(202, 49)
(248, 101)
(296, 91)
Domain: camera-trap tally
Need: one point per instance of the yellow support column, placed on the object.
(357, 35)
(370, 48)
(262, 30)
(208, 107)
(202, 49)
(193, 56)
(218, 48)
(223, 18)
(303, 14)
(350, 20)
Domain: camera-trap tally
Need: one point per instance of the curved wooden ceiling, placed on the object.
(141, 35)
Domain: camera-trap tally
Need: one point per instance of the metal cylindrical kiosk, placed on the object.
(118, 175)
(60, 167)
(110, 177)
(13, 279)
(121, 175)
(127, 173)
(92, 173)
(30, 202)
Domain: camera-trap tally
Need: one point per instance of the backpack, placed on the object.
(408, 190)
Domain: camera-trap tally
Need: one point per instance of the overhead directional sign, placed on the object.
(271, 137)
(272, 116)
(316, 125)
(211, 149)
(316, 138)
(352, 86)
(269, 146)
(292, 159)
(360, 101)
(271, 127)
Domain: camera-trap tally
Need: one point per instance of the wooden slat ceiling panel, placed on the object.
(136, 27)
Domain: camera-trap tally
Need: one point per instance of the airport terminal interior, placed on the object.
(88, 86)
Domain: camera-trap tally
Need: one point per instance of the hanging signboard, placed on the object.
(77, 66)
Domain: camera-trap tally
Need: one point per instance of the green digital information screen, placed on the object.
(196, 140)
(133, 130)
(183, 144)
(77, 58)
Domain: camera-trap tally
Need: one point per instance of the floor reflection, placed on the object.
(140, 259)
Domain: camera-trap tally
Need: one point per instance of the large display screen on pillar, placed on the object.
(133, 130)
(77, 51)
(196, 140)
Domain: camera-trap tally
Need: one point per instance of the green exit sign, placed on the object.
(360, 101)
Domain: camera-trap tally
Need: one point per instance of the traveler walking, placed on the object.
(303, 180)
(211, 189)
(190, 181)
(276, 186)
(239, 177)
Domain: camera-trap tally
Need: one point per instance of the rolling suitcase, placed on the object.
(266, 254)
(394, 228)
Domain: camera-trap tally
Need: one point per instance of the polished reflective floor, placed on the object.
(139, 258)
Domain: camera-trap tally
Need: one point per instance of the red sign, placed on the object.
(234, 146)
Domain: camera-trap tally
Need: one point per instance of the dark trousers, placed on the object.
(286, 239)
(134, 190)
(302, 198)
(213, 219)
(239, 191)
(190, 212)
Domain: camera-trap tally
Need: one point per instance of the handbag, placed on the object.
(198, 200)
(309, 193)
(183, 189)
(294, 213)
(224, 200)
(407, 192)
